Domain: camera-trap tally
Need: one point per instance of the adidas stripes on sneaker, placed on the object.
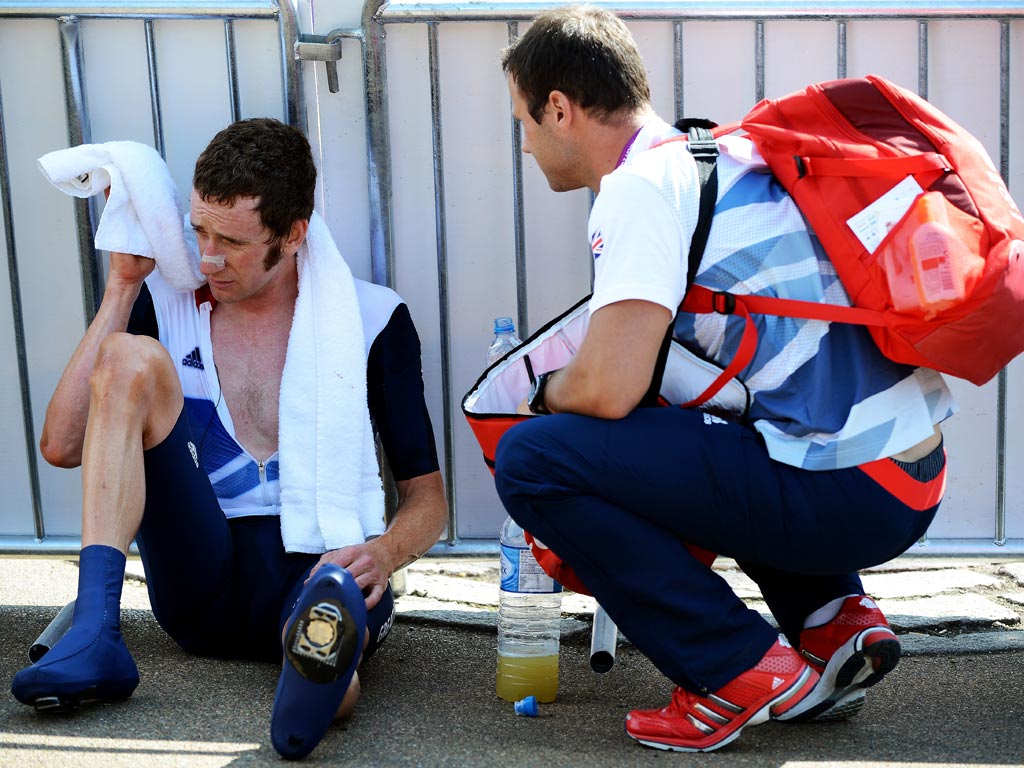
(695, 723)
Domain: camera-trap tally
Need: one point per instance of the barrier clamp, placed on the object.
(325, 48)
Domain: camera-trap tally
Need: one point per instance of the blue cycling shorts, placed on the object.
(220, 587)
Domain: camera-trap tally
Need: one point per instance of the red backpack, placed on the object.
(913, 215)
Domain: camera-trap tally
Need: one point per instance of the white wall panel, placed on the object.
(258, 52)
(478, 211)
(887, 48)
(718, 69)
(416, 276)
(797, 53)
(34, 119)
(16, 514)
(117, 80)
(193, 89)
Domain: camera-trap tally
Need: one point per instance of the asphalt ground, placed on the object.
(429, 701)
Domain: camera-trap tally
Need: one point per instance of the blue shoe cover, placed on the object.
(322, 645)
(90, 662)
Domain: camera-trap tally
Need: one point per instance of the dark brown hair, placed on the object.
(265, 159)
(585, 52)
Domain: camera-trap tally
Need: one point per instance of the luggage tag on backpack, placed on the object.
(872, 224)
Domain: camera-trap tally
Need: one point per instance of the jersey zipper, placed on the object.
(262, 466)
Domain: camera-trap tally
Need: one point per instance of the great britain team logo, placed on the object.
(597, 244)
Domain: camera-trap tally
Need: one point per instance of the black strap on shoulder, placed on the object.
(704, 149)
(702, 145)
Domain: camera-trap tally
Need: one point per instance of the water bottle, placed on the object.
(505, 338)
(529, 622)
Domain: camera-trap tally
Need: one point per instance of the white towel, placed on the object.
(331, 494)
(142, 216)
(324, 432)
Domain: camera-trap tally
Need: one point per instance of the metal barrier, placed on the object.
(760, 18)
(68, 19)
(444, 191)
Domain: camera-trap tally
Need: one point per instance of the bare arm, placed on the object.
(64, 426)
(418, 522)
(612, 370)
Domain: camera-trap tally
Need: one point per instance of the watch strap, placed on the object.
(536, 402)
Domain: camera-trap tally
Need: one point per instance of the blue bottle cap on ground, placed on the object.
(527, 707)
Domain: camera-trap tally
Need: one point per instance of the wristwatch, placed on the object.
(535, 400)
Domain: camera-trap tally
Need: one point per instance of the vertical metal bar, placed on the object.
(382, 257)
(232, 62)
(441, 231)
(378, 164)
(1001, 391)
(291, 66)
(677, 67)
(922, 91)
(79, 133)
(758, 60)
(840, 48)
(154, 90)
(518, 213)
(19, 334)
(922, 58)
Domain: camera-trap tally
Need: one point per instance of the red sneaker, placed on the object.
(852, 652)
(694, 723)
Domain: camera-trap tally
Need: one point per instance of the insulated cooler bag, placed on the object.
(490, 405)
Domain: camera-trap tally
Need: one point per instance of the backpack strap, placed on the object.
(701, 300)
(704, 148)
(930, 164)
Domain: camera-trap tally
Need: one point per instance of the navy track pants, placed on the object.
(617, 499)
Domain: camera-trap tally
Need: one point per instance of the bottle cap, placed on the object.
(504, 324)
(929, 208)
(527, 707)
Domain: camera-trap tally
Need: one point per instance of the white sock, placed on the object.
(826, 613)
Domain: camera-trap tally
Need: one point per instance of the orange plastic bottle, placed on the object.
(940, 258)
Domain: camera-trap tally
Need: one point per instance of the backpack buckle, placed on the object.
(723, 303)
(702, 146)
(699, 139)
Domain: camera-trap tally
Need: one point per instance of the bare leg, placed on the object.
(135, 401)
(348, 704)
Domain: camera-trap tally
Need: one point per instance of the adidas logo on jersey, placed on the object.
(193, 359)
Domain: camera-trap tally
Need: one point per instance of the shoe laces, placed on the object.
(682, 702)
